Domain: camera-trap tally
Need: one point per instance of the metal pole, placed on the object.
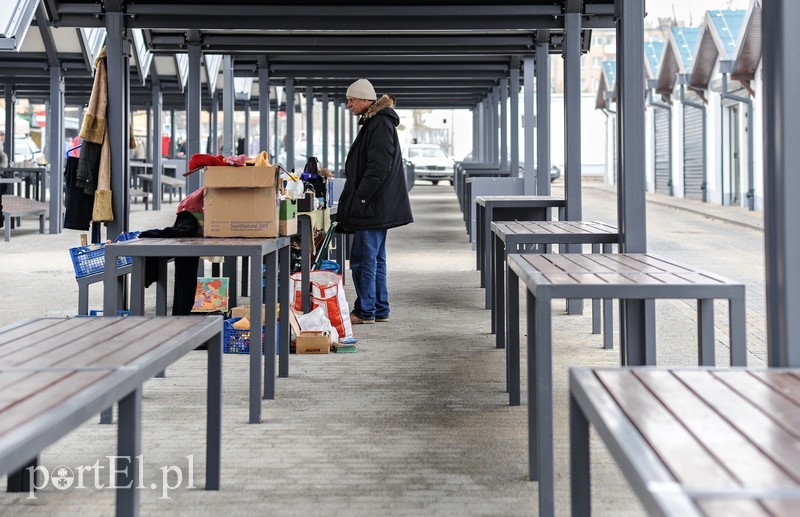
(263, 108)
(504, 124)
(514, 117)
(336, 138)
(289, 138)
(324, 130)
(529, 179)
(213, 144)
(247, 115)
(572, 118)
(171, 151)
(193, 108)
(118, 127)
(11, 105)
(542, 119)
(157, 169)
(781, 181)
(55, 123)
(309, 122)
(228, 99)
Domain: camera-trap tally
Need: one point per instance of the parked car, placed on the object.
(25, 149)
(430, 162)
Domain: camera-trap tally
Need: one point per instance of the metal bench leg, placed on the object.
(107, 415)
(270, 301)
(214, 414)
(540, 348)
(24, 479)
(284, 264)
(608, 314)
(83, 299)
(596, 302)
(512, 338)
(129, 446)
(41, 223)
(737, 317)
(579, 454)
(705, 332)
(498, 308)
(245, 275)
(8, 219)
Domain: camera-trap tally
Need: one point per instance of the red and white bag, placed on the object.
(327, 291)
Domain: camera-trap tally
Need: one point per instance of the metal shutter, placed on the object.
(663, 156)
(694, 147)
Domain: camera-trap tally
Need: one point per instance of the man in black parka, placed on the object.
(374, 198)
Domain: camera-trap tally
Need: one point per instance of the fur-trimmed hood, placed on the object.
(385, 102)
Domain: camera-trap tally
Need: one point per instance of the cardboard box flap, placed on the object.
(240, 177)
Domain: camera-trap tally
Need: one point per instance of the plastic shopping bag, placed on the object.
(327, 291)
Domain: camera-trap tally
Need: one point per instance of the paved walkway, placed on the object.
(415, 423)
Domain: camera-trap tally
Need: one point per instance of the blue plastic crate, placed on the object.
(90, 260)
(237, 341)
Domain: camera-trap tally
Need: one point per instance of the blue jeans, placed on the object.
(368, 264)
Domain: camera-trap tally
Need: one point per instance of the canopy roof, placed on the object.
(426, 55)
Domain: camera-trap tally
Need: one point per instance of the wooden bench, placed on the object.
(168, 184)
(135, 194)
(692, 442)
(15, 207)
(637, 278)
(55, 373)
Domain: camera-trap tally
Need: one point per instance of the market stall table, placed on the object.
(633, 277)
(259, 251)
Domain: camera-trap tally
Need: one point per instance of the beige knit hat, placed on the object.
(362, 89)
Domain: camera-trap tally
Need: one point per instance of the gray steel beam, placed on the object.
(630, 128)
(213, 137)
(11, 108)
(325, 128)
(47, 37)
(157, 106)
(55, 151)
(504, 123)
(309, 121)
(572, 118)
(263, 106)
(118, 126)
(496, 125)
(247, 115)
(336, 139)
(289, 138)
(475, 126)
(542, 119)
(193, 108)
(228, 97)
(781, 181)
(514, 117)
(529, 180)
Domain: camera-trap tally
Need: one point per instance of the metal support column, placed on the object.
(247, 115)
(352, 125)
(631, 217)
(781, 181)
(513, 115)
(504, 123)
(336, 139)
(263, 107)
(309, 123)
(529, 180)
(495, 120)
(118, 126)
(542, 116)
(11, 105)
(289, 138)
(55, 152)
(228, 100)
(193, 107)
(325, 156)
(475, 129)
(171, 152)
(213, 137)
(157, 105)
(572, 118)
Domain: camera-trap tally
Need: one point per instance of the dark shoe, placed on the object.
(355, 320)
(382, 320)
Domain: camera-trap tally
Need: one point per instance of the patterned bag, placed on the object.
(327, 291)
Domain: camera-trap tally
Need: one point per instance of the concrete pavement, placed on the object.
(416, 422)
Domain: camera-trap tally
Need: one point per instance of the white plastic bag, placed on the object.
(317, 320)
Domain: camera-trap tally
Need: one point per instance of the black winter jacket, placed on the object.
(375, 194)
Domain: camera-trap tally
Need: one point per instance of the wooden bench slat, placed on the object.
(55, 393)
(731, 507)
(749, 420)
(689, 462)
(786, 383)
(24, 336)
(746, 462)
(783, 411)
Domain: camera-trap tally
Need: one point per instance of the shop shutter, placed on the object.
(694, 145)
(663, 158)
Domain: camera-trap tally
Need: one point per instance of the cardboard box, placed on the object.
(309, 341)
(243, 311)
(240, 202)
(288, 227)
(313, 342)
(288, 209)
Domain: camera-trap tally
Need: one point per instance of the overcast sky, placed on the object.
(688, 10)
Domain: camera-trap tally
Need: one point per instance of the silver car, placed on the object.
(430, 162)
